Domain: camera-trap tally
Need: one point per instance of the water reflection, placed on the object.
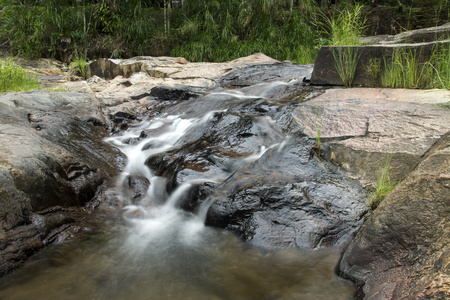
(173, 256)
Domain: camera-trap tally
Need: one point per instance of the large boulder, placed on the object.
(361, 129)
(52, 158)
(402, 251)
(422, 42)
(325, 70)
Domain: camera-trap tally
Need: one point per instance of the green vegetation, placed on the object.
(374, 71)
(441, 65)
(383, 186)
(346, 60)
(75, 31)
(79, 66)
(344, 29)
(15, 78)
(223, 30)
(408, 69)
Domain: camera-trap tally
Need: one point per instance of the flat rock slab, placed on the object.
(361, 126)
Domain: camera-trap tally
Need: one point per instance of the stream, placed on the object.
(221, 198)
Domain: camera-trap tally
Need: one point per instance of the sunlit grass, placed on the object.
(383, 186)
(15, 78)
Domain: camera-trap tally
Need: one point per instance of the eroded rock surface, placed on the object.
(276, 194)
(402, 251)
(51, 155)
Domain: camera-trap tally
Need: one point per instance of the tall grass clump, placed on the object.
(383, 186)
(345, 61)
(344, 29)
(15, 78)
(441, 66)
(406, 69)
(409, 69)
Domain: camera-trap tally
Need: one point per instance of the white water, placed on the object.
(167, 253)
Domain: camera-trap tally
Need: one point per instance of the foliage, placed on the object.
(345, 61)
(344, 29)
(15, 78)
(374, 71)
(408, 69)
(383, 186)
(199, 30)
(440, 63)
(220, 31)
(79, 65)
(56, 28)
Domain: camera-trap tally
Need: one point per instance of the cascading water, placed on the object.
(164, 252)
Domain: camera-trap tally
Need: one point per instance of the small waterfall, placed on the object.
(164, 252)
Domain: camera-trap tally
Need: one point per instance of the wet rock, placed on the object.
(121, 116)
(402, 251)
(172, 93)
(135, 188)
(289, 200)
(252, 75)
(49, 157)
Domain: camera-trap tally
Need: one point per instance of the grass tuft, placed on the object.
(383, 186)
(345, 61)
(15, 78)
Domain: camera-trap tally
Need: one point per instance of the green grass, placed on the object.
(15, 78)
(344, 29)
(408, 69)
(383, 186)
(345, 61)
(441, 65)
(79, 65)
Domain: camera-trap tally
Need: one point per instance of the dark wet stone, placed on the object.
(135, 187)
(256, 74)
(288, 199)
(172, 93)
(63, 164)
(121, 116)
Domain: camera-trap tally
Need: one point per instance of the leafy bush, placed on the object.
(221, 31)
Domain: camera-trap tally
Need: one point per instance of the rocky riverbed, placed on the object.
(276, 189)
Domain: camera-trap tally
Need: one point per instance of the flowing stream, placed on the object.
(164, 252)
